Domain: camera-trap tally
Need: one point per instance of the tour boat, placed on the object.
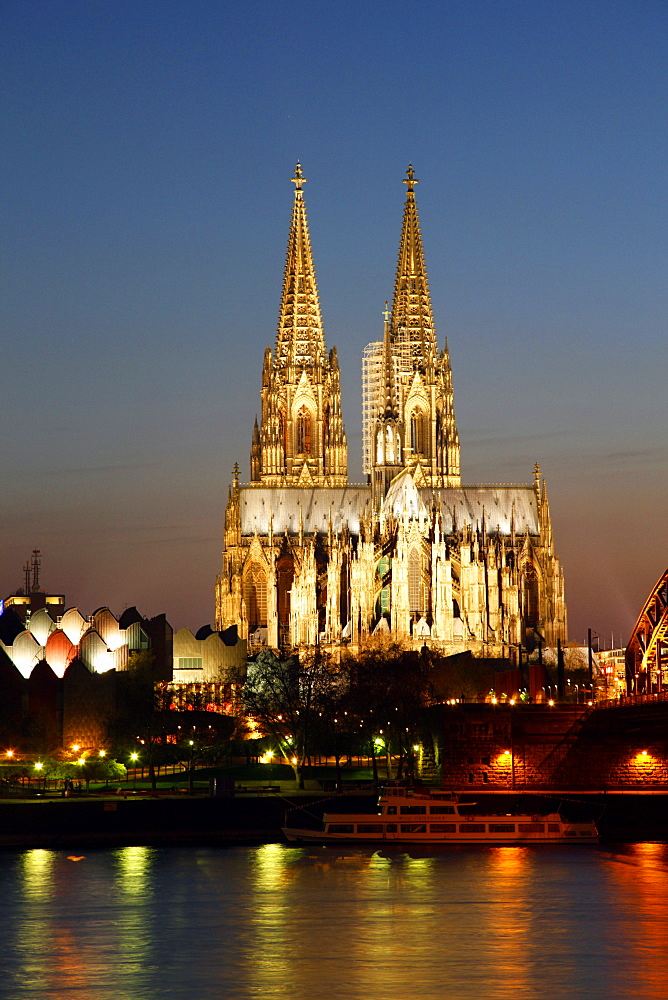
(408, 815)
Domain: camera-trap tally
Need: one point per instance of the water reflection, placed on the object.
(38, 874)
(133, 869)
(498, 923)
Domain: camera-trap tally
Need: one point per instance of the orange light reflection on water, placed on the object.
(511, 924)
(640, 872)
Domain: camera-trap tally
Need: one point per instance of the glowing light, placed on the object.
(294, 760)
(551, 702)
(82, 760)
(9, 753)
(38, 765)
(76, 747)
(102, 753)
(495, 700)
(416, 748)
(134, 756)
(512, 701)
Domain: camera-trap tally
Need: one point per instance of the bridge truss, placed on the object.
(647, 651)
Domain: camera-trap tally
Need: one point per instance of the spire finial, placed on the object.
(410, 179)
(536, 474)
(236, 474)
(386, 313)
(299, 178)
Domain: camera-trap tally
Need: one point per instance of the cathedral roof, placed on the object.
(286, 506)
(499, 505)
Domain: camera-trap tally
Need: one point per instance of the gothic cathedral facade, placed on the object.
(413, 554)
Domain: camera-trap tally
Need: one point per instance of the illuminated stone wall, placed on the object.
(498, 747)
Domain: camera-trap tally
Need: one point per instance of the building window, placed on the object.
(282, 435)
(190, 663)
(285, 574)
(304, 432)
(325, 438)
(417, 432)
(531, 600)
(416, 588)
(255, 595)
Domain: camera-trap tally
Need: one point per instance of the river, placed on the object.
(488, 923)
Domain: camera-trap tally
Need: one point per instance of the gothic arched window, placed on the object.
(416, 589)
(417, 432)
(531, 598)
(255, 596)
(304, 432)
(285, 574)
(325, 437)
(282, 430)
(389, 445)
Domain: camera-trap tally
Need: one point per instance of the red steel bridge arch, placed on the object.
(647, 651)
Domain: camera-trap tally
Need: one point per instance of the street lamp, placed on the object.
(134, 757)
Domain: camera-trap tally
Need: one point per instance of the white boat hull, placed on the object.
(409, 815)
(305, 836)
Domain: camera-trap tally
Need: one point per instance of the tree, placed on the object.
(389, 690)
(286, 697)
(138, 724)
(200, 738)
(102, 769)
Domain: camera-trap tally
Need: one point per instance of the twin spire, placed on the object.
(301, 439)
(300, 340)
(412, 324)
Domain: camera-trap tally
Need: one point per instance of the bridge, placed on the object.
(647, 650)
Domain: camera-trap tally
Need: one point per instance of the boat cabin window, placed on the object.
(553, 828)
(531, 827)
(450, 810)
(413, 828)
(443, 827)
(391, 810)
(391, 828)
(502, 828)
(471, 827)
(413, 810)
(341, 828)
(369, 827)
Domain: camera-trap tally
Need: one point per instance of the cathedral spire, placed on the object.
(416, 388)
(301, 434)
(412, 323)
(300, 340)
(388, 427)
(390, 409)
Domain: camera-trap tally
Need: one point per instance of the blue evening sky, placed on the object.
(147, 150)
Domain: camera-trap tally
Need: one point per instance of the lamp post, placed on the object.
(191, 773)
(134, 757)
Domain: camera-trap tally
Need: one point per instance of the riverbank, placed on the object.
(256, 818)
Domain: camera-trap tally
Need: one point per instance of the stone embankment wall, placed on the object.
(533, 746)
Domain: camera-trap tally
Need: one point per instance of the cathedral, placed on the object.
(311, 559)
